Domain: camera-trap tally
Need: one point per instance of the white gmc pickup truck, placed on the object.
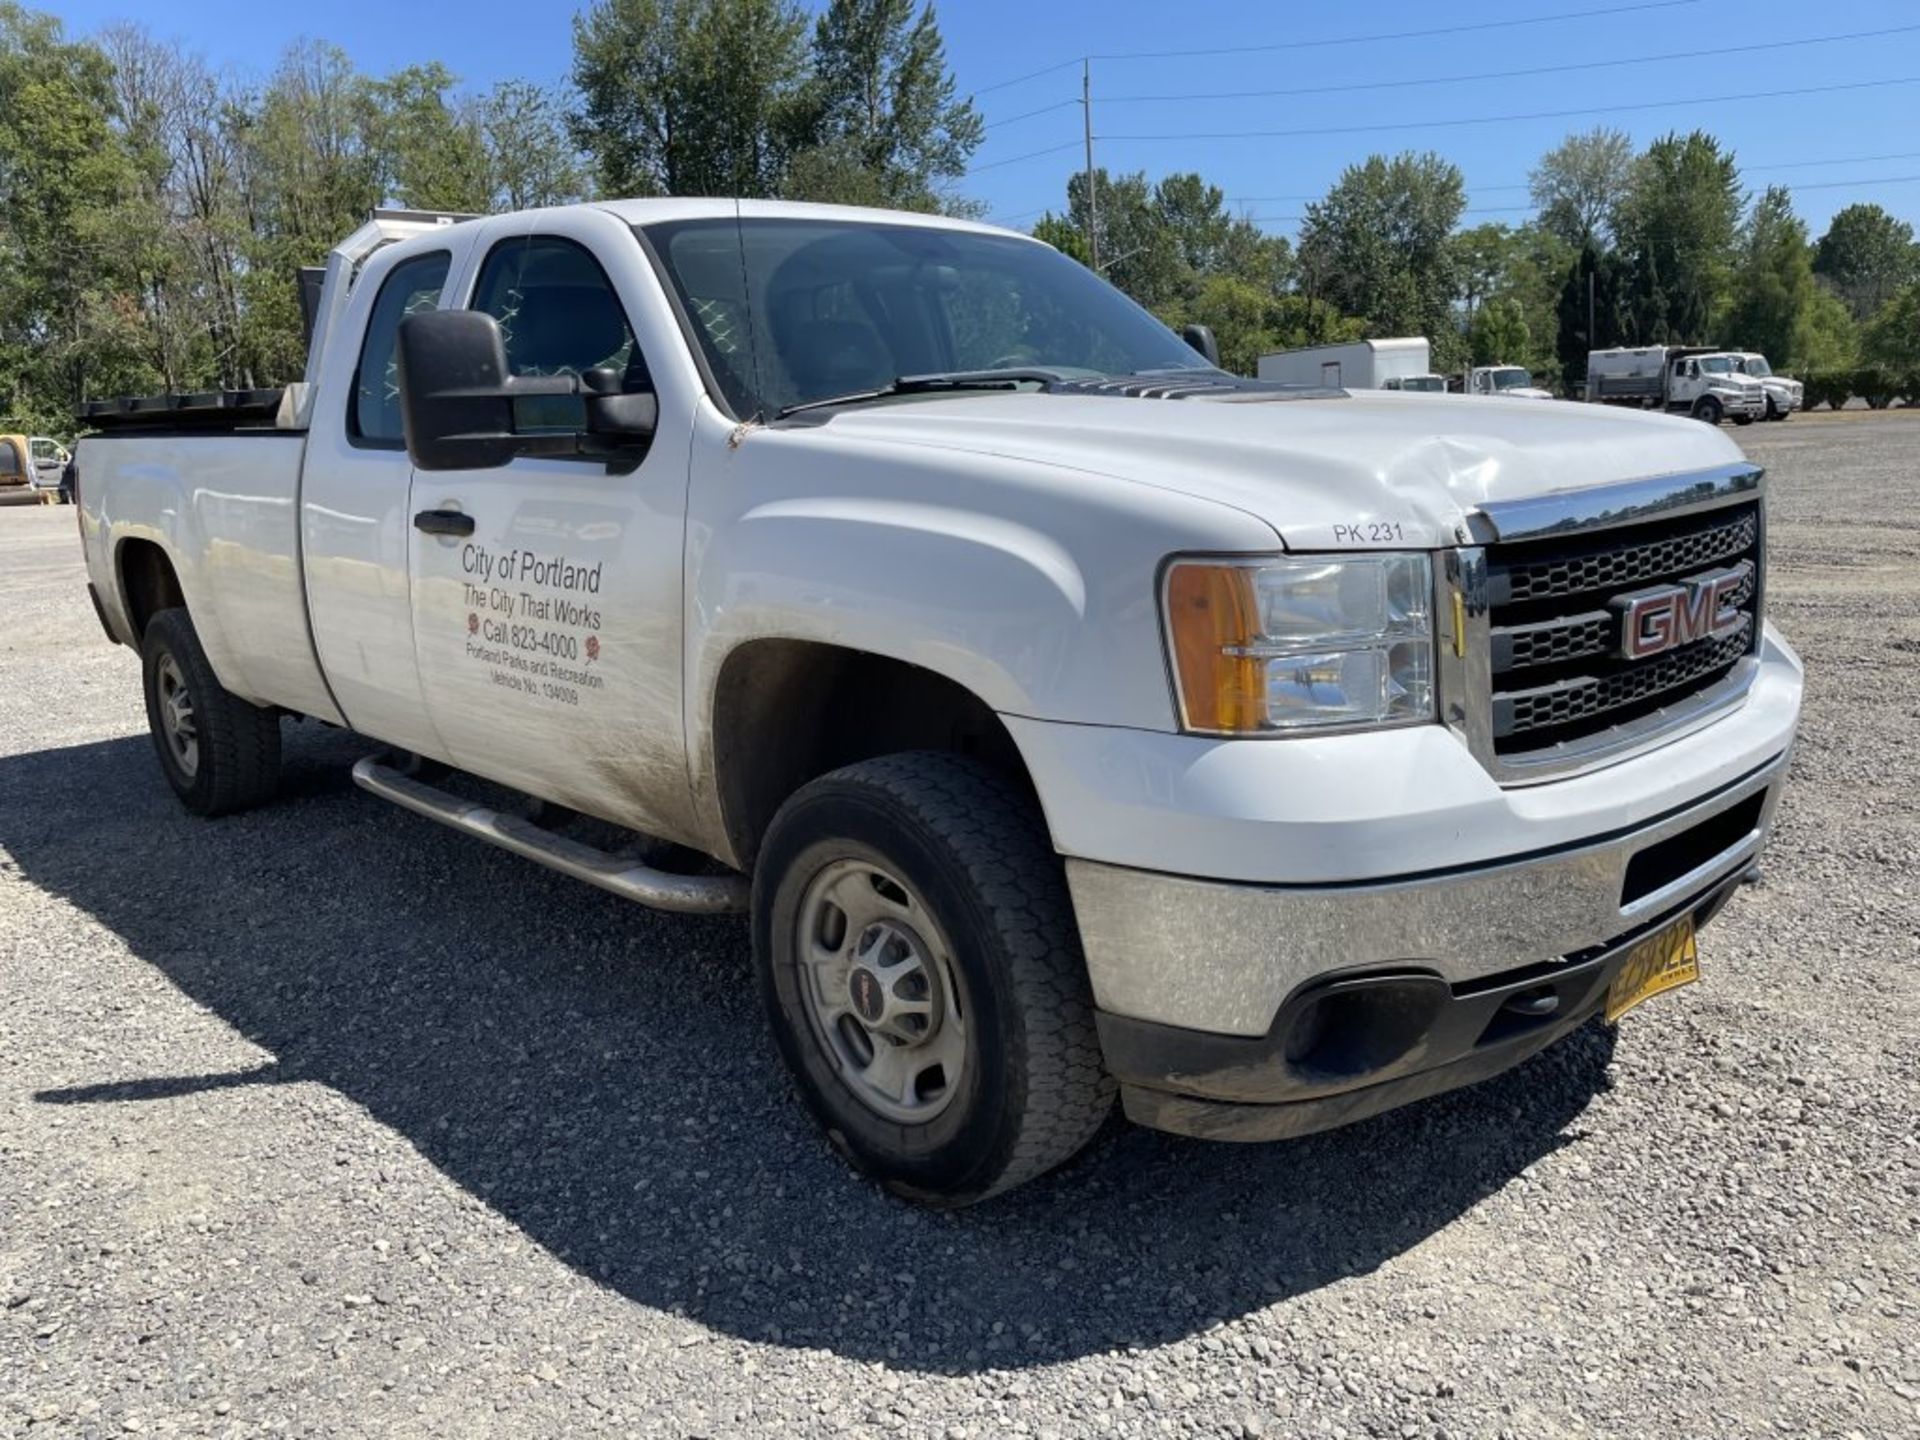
(1075, 720)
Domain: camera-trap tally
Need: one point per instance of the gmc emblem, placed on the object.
(1663, 617)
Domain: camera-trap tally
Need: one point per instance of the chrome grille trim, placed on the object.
(1470, 647)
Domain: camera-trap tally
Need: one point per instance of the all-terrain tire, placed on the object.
(972, 849)
(234, 759)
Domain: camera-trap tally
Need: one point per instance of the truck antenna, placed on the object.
(746, 305)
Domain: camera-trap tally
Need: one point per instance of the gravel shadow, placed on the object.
(600, 1076)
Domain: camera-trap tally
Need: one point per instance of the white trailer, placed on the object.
(1355, 365)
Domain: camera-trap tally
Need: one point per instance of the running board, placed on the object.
(690, 894)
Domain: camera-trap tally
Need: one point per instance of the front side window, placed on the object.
(1511, 379)
(410, 287)
(558, 315)
(791, 311)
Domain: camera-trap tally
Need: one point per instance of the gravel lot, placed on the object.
(321, 1121)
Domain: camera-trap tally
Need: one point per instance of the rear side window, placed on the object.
(410, 287)
(9, 458)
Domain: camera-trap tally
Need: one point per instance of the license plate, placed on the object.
(1658, 963)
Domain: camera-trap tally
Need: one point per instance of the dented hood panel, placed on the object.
(1372, 470)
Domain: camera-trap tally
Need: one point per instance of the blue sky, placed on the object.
(1833, 147)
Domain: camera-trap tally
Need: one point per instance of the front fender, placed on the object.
(1033, 586)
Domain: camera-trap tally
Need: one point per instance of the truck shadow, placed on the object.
(600, 1076)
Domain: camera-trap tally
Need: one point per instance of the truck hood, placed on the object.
(1374, 469)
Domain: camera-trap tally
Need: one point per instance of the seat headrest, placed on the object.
(833, 357)
(564, 327)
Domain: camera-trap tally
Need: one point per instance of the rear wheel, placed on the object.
(219, 753)
(923, 976)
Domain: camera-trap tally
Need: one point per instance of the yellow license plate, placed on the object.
(1658, 963)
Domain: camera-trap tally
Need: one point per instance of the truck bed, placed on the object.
(225, 509)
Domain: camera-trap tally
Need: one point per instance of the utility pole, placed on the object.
(1093, 197)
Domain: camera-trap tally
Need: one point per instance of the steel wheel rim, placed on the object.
(178, 725)
(877, 979)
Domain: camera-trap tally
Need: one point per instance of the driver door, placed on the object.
(546, 593)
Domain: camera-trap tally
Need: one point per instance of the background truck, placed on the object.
(1515, 382)
(1353, 365)
(1784, 394)
(1073, 720)
(1696, 380)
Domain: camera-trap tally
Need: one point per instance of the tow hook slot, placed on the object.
(1534, 1004)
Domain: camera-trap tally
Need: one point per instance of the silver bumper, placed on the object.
(1223, 957)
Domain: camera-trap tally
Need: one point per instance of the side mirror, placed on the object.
(461, 410)
(1201, 339)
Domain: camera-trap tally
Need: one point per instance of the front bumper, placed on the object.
(1345, 1050)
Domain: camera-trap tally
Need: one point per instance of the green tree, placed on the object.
(1892, 341)
(70, 304)
(530, 159)
(433, 152)
(1591, 313)
(1677, 228)
(1499, 334)
(1771, 309)
(878, 122)
(1481, 257)
(1832, 339)
(1866, 255)
(689, 97)
(1578, 185)
(1379, 246)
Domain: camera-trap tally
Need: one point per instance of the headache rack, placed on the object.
(1538, 673)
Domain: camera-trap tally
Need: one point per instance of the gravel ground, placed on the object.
(320, 1121)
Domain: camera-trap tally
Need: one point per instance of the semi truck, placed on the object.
(1707, 383)
(1074, 722)
(1784, 394)
(1399, 364)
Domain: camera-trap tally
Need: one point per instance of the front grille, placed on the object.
(1555, 626)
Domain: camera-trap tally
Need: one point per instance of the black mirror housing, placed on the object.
(459, 406)
(1200, 337)
(456, 407)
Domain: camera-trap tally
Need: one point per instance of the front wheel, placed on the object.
(1708, 409)
(922, 972)
(219, 753)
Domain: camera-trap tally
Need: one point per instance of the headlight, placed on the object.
(1301, 641)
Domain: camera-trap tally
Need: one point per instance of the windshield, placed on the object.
(1755, 365)
(1717, 364)
(1512, 378)
(791, 311)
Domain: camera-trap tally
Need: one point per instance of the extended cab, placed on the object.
(1073, 718)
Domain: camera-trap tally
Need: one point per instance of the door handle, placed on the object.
(444, 522)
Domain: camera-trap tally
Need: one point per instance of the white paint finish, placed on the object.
(222, 508)
(1310, 468)
(619, 752)
(1369, 806)
(1032, 585)
(356, 524)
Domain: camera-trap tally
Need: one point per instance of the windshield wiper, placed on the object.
(928, 385)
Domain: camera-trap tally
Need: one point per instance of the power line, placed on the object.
(1030, 155)
(1043, 110)
(1522, 185)
(1608, 11)
(1714, 53)
(1435, 124)
(1518, 209)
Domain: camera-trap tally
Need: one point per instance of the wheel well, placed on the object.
(148, 583)
(789, 711)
